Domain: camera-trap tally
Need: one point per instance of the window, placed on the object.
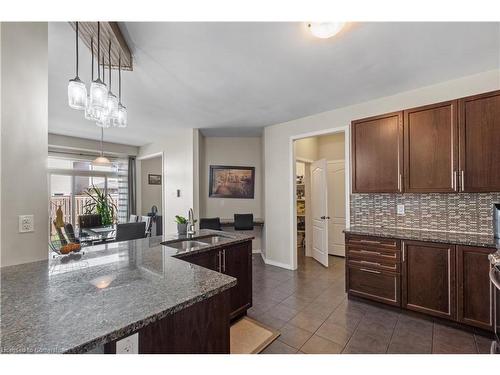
(70, 179)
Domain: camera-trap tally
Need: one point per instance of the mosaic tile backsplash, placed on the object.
(465, 212)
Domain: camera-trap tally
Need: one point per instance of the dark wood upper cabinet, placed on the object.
(431, 148)
(479, 122)
(474, 291)
(428, 280)
(377, 154)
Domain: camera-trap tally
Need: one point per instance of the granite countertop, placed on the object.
(102, 293)
(470, 239)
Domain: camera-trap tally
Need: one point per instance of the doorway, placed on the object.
(150, 191)
(320, 200)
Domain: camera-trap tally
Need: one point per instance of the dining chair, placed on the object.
(210, 223)
(133, 219)
(130, 231)
(147, 220)
(243, 221)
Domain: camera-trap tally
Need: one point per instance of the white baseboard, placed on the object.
(274, 263)
(256, 251)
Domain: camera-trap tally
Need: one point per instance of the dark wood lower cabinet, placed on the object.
(235, 261)
(429, 278)
(474, 290)
(377, 285)
(442, 280)
(202, 328)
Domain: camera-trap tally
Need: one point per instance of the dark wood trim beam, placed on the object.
(109, 31)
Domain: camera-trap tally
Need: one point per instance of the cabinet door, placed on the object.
(208, 259)
(475, 294)
(429, 278)
(431, 148)
(479, 123)
(237, 262)
(377, 154)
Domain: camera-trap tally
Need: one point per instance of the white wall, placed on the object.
(277, 149)
(237, 151)
(307, 148)
(150, 194)
(331, 146)
(63, 142)
(24, 140)
(178, 173)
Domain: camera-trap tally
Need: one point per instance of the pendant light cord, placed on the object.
(76, 34)
(92, 53)
(102, 136)
(109, 62)
(120, 77)
(98, 48)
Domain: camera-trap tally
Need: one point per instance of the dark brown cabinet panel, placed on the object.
(475, 294)
(237, 262)
(377, 154)
(374, 284)
(479, 122)
(209, 259)
(429, 278)
(431, 148)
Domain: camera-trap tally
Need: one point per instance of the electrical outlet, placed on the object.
(128, 345)
(26, 223)
(401, 209)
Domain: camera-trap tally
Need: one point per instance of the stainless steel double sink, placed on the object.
(189, 244)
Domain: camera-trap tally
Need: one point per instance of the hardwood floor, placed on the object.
(311, 310)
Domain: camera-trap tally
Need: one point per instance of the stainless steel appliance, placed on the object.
(495, 280)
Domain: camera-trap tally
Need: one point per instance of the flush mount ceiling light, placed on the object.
(77, 92)
(325, 30)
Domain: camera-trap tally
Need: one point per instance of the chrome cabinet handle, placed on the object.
(399, 182)
(366, 262)
(403, 245)
(219, 256)
(462, 175)
(455, 186)
(369, 241)
(371, 271)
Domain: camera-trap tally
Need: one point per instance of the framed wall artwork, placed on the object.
(231, 182)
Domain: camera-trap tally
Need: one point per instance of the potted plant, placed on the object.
(102, 204)
(181, 224)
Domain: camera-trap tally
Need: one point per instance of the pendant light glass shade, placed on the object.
(121, 120)
(77, 92)
(112, 107)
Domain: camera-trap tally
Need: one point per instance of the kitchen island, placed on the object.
(107, 292)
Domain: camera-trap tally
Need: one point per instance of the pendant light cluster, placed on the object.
(100, 104)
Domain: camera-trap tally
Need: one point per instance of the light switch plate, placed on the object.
(26, 223)
(401, 209)
(128, 345)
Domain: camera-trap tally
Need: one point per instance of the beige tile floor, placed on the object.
(311, 310)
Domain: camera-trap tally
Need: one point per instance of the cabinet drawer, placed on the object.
(379, 286)
(376, 242)
(380, 266)
(373, 254)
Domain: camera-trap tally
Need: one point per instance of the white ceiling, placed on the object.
(236, 78)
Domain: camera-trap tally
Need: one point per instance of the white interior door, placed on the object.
(336, 207)
(319, 212)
